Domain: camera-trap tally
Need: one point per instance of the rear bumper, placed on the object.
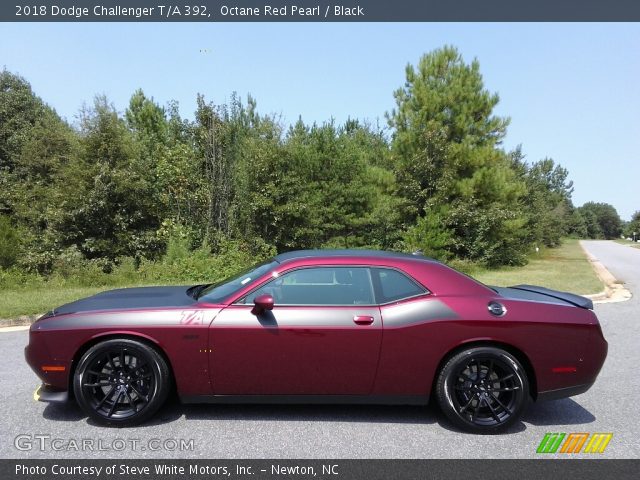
(47, 393)
(594, 357)
(563, 392)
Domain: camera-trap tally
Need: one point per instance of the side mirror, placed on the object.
(262, 303)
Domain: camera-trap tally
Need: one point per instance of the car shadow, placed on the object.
(565, 411)
(313, 413)
(557, 412)
(446, 425)
(174, 410)
(63, 412)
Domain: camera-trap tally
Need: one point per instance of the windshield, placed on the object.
(217, 292)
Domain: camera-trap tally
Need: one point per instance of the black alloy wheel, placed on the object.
(121, 382)
(483, 390)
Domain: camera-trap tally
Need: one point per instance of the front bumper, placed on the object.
(51, 369)
(47, 393)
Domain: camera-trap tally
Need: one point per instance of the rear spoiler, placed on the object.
(572, 298)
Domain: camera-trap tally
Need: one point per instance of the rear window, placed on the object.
(395, 285)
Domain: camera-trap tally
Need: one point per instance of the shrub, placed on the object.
(9, 243)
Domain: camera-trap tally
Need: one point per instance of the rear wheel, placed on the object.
(121, 382)
(482, 389)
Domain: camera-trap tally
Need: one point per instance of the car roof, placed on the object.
(351, 252)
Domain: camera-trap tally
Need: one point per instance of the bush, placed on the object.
(13, 278)
(201, 265)
(180, 265)
(9, 243)
(465, 266)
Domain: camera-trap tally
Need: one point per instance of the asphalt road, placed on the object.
(253, 431)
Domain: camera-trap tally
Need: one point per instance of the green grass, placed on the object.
(564, 268)
(29, 301)
(24, 293)
(627, 242)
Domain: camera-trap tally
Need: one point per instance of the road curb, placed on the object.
(17, 328)
(21, 321)
(614, 289)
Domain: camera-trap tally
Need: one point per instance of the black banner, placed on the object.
(318, 11)
(323, 469)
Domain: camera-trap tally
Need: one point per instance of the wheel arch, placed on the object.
(148, 341)
(516, 352)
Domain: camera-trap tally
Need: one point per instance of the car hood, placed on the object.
(534, 293)
(129, 298)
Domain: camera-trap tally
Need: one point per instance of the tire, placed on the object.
(482, 390)
(121, 382)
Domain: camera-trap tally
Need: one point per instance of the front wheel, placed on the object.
(482, 389)
(121, 382)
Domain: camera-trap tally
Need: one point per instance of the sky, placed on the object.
(572, 91)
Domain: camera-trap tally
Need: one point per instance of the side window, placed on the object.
(320, 286)
(394, 285)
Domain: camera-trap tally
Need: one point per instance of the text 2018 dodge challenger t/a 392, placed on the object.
(334, 326)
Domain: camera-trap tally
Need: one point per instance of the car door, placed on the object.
(322, 337)
(411, 316)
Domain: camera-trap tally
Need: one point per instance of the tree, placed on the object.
(20, 109)
(147, 119)
(215, 137)
(36, 177)
(576, 224)
(445, 148)
(164, 164)
(633, 226)
(547, 199)
(9, 243)
(602, 220)
(233, 181)
(108, 215)
(35, 147)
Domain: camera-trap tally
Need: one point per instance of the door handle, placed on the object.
(363, 319)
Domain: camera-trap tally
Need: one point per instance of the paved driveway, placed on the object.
(252, 431)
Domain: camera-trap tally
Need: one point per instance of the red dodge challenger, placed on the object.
(322, 326)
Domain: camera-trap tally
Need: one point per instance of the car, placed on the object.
(322, 326)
